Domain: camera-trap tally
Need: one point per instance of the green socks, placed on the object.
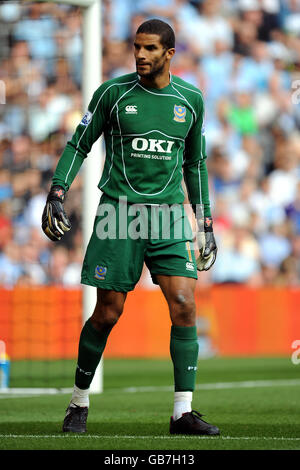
(184, 353)
(91, 346)
(183, 348)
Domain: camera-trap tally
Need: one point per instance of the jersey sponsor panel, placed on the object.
(153, 145)
(159, 158)
(145, 132)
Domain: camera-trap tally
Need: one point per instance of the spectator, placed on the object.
(238, 258)
(72, 274)
(207, 27)
(46, 116)
(219, 64)
(241, 114)
(293, 211)
(267, 210)
(6, 226)
(31, 266)
(223, 179)
(283, 179)
(274, 245)
(58, 264)
(10, 265)
(38, 28)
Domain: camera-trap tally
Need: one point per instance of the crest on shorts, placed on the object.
(100, 272)
(179, 113)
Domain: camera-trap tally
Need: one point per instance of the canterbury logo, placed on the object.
(131, 109)
(189, 266)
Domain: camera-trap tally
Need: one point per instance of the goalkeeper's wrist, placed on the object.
(205, 224)
(56, 193)
(208, 224)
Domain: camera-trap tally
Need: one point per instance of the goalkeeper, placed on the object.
(153, 129)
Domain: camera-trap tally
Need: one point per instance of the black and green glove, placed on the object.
(54, 219)
(206, 243)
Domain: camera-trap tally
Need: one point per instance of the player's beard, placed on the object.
(156, 69)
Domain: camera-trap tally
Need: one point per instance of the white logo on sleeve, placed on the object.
(86, 118)
(131, 109)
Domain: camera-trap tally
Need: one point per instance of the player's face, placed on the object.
(151, 57)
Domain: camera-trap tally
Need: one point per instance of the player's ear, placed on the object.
(170, 53)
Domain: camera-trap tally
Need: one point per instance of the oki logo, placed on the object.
(152, 145)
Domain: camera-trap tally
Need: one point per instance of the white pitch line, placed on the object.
(119, 436)
(218, 385)
(19, 392)
(30, 392)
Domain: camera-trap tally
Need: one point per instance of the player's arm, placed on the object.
(54, 219)
(196, 180)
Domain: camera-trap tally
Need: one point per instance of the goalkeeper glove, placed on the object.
(54, 219)
(207, 245)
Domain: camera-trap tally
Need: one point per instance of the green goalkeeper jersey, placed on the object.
(153, 138)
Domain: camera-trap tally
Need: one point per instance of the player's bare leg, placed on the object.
(108, 309)
(179, 294)
(94, 334)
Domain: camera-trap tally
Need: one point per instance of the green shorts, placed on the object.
(127, 235)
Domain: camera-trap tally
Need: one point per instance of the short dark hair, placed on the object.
(162, 29)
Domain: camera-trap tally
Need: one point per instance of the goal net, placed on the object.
(50, 59)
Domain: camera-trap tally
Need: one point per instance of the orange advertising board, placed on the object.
(45, 322)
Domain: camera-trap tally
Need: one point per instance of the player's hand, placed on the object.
(54, 219)
(207, 245)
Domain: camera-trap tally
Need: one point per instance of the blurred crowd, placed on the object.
(245, 57)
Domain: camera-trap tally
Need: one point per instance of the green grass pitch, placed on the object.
(254, 402)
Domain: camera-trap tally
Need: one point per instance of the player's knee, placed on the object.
(107, 312)
(183, 309)
(105, 317)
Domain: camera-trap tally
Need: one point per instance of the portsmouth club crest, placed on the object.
(100, 272)
(179, 113)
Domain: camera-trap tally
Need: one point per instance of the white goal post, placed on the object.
(91, 80)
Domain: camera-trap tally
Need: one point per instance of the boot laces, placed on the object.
(197, 415)
(79, 412)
